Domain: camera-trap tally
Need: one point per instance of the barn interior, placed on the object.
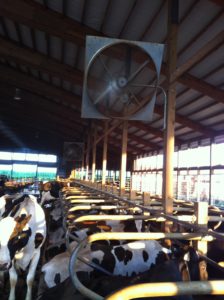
(118, 100)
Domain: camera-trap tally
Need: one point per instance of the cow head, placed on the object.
(14, 235)
(192, 265)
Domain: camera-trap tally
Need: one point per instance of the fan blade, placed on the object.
(135, 98)
(105, 67)
(144, 85)
(103, 95)
(133, 75)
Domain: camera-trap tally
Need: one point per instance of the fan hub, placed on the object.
(122, 82)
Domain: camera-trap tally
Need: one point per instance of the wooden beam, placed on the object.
(139, 140)
(11, 50)
(197, 57)
(37, 16)
(39, 87)
(123, 157)
(20, 125)
(115, 140)
(111, 127)
(30, 107)
(170, 113)
(202, 87)
(87, 155)
(21, 136)
(32, 101)
(94, 153)
(188, 123)
(218, 2)
(104, 162)
(47, 121)
(154, 131)
(40, 102)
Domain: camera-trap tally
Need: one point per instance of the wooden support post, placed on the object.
(87, 157)
(123, 158)
(170, 113)
(210, 173)
(94, 154)
(82, 167)
(201, 213)
(132, 195)
(146, 199)
(104, 163)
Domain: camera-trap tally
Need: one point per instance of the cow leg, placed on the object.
(13, 279)
(31, 274)
(2, 279)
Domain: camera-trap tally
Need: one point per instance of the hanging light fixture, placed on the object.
(17, 95)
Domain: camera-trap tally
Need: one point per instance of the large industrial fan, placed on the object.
(121, 78)
(73, 151)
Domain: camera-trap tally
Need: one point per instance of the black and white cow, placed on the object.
(9, 204)
(126, 260)
(50, 191)
(158, 268)
(22, 233)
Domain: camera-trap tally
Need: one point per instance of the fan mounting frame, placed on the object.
(94, 46)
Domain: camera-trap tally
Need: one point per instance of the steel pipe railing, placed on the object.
(197, 236)
(84, 197)
(165, 289)
(158, 214)
(91, 201)
(121, 236)
(97, 207)
(139, 217)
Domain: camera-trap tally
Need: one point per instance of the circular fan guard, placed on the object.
(121, 80)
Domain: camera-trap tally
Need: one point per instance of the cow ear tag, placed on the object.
(104, 227)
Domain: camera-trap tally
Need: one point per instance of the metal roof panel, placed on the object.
(94, 13)
(116, 17)
(142, 15)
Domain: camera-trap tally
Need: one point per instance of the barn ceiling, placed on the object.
(42, 49)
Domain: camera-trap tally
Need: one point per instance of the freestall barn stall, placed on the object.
(123, 102)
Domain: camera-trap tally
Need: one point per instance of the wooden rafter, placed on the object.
(139, 140)
(188, 123)
(37, 16)
(202, 87)
(22, 55)
(156, 132)
(42, 104)
(197, 57)
(218, 2)
(42, 88)
(49, 128)
(39, 87)
(16, 111)
(114, 140)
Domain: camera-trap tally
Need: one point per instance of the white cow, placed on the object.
(22, 233)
